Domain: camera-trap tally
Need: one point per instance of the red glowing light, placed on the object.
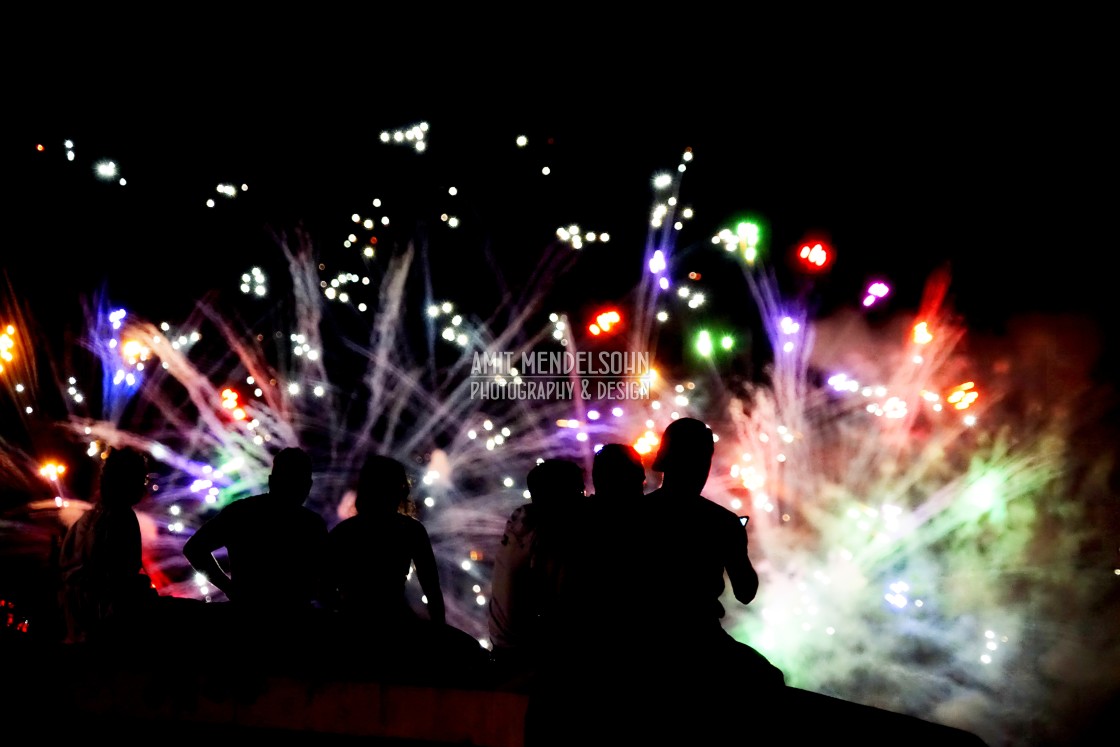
(605, 321)
(814, 257)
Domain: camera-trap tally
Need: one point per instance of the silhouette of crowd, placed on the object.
(571, 575)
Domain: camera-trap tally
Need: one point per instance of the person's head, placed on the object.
(291, 475)
(618, 471)
(383, 486)
(685, 454)
(124, 478)
(553, 482)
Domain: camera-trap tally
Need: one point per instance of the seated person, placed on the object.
(371, 556)
(529, 568)
(275, 545)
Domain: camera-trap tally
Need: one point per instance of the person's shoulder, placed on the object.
(345, 526)
(716, 512)
(244, 505)
(522, 519)
(116, 516)
(522, 511)
(519, 529)
(410, 523)
(88, 517)
(313, 518)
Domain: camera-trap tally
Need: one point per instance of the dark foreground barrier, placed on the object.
(171, 697)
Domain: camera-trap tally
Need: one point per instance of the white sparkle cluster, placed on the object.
(413, 136)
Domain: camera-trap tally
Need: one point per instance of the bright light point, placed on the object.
(122, 181)
(664, 283)
(209, 203)
(986, 659)
(522, 141)
(106, 169)
(703, 344)
(662, 181)
(546, 171)
(429, 501)
(617, 412)
(466, 565)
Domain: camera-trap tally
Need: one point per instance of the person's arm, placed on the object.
(200, 548)
(428, 574)
(737, 562)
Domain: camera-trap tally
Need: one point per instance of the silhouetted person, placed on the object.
(580, 679)
(529, 568)
(696, 675)
(103, 578)
(373, 552)
(591, 598)
(275, 546)
(617, 473)
(371, 555)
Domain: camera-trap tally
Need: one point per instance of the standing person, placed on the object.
(103, 578)
(371, 555)
(275, 545)
(529, 568)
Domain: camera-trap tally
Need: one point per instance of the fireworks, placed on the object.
(911, 507)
